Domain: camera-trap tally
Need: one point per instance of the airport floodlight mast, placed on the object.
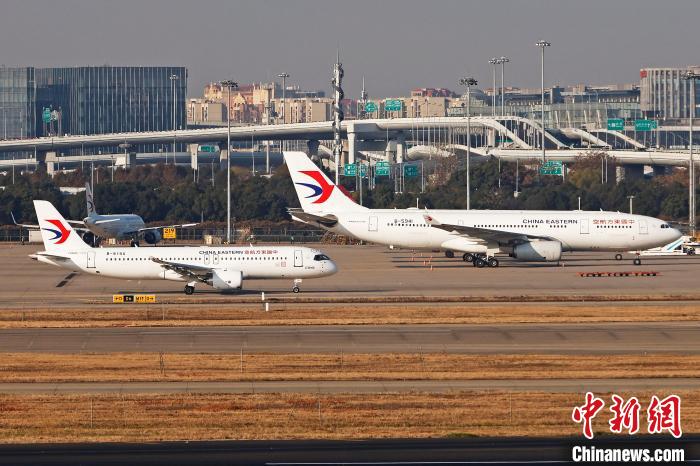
(691, 76)
(469, 82)
(494, 61)
(228, 84)
(502, 61)
(542, 44)
(338, 115)
(284, 77)
(173, 78)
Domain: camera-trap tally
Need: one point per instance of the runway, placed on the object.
(514, 450)
(604, 338)
(354, 386)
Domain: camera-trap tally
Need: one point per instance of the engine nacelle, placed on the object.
(224, 279)
(89, 238)
(538, 251)
(152, 236)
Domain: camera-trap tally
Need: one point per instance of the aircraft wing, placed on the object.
(483, 234)
(195, 272)
(325, 220)
(36, 227)
(182, 225)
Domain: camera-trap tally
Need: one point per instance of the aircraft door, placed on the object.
(91, 259)
(643, 228)
(373, 223)
(584, 226)
(298, 258)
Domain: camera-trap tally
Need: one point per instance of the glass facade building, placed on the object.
(92, 100)
(17, 103)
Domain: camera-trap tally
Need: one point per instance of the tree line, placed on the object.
(168, 193)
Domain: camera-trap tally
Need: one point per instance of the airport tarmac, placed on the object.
(605, 338)
(367, 271)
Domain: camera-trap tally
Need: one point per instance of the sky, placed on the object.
(397, 45)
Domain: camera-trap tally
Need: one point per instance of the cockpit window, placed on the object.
(665, 225)
(321, 257)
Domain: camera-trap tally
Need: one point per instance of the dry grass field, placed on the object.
(142, 367)
(146, 418)
(357, 314)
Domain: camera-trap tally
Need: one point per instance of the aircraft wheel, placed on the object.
(468, 257)
(480, 263)
(618, 257)
(691, 252)
(449, 254)
(189, 290)
(296, 289)
(637, 261)
(493, 262)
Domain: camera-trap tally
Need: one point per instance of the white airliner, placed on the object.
(94, 227)
(224, 268)
(478, 234)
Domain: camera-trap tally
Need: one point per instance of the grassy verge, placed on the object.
(144, 418)
(146, 367)
(306, 314)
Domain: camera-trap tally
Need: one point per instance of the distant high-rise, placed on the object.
(91, 100)
(665, 94)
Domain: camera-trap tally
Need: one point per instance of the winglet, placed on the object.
(430, 220)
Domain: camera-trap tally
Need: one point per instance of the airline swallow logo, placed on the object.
(322, 190)
(61, 233)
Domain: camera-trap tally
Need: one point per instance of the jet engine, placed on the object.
(152, 236)
(538, 251)
(89, 238)
(227, 280)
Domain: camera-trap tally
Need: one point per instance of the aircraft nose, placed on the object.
(332, 268)
(676, 233)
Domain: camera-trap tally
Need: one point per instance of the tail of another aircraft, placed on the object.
(315, 191)
(57, 234)
(90, 200)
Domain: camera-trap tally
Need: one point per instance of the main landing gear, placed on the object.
(480, 260)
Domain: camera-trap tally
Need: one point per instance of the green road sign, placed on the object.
(381, 169)
(208, 148)
(645, 125)
(552, 167)
(370, 107)
(349, 169)
(392, 105)
(46, 115)
(410, 171)
(616, 124)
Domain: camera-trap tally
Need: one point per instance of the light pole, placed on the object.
(494, 61)
(503, 61)
(284, 77)
(542, 44)
(691, 76)
(630, 198)
(468, 81)
(173, 78)
(228, 84)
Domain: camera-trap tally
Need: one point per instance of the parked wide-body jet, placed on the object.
(224, 268)
(526, 235)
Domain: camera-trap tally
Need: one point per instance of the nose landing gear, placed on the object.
(296, 288)
(189, 288)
